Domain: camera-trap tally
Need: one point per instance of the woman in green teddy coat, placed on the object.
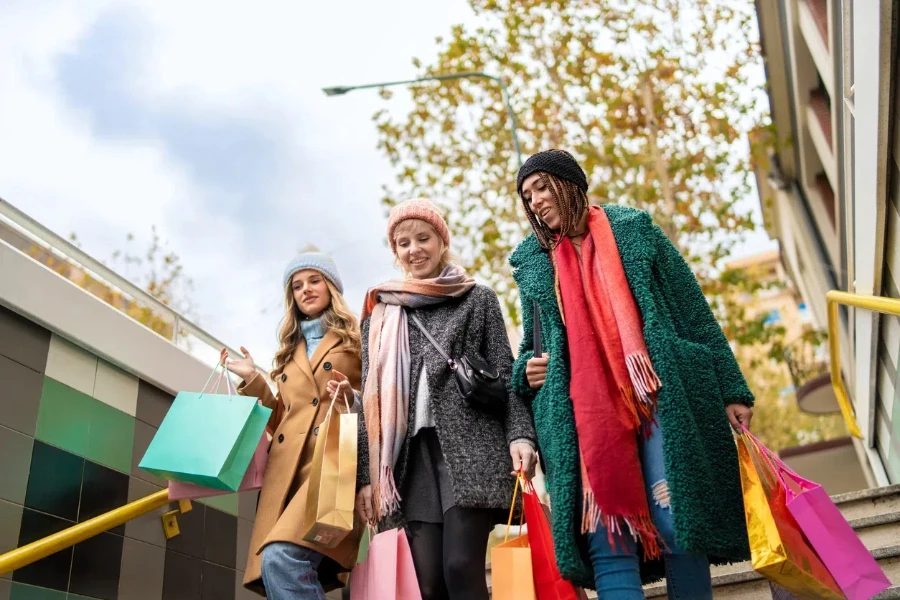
(632, 395)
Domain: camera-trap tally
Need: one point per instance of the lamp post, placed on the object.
(341, 90)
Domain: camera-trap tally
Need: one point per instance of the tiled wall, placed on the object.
(72, 431)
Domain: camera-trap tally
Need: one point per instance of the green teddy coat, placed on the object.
(700, 377)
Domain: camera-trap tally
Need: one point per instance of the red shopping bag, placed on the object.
(548, 583)
(253, 477)
(388, 572)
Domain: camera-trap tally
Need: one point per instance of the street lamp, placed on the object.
(341, 90)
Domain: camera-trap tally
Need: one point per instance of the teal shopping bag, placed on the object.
(207, 438)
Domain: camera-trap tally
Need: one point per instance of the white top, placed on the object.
(424, 416)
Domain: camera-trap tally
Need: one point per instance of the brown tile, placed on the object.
(10, 520)
(152, 404)
(143, 567)
(244, 531)
(217, 583)
(240, 592)
(147, 528)
(143, 435)
(247, 502)
(20, 396)
(21, 340)
(4, 589)
(16, 450)
(182, 577)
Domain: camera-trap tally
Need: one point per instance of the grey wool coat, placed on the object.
(475, 445)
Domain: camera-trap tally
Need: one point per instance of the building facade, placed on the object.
(829, 185)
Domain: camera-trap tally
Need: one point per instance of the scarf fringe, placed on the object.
(643, 396)
(640, 528)
(386, 493)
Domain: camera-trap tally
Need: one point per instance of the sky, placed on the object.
(207, 120)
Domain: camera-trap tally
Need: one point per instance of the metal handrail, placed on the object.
(35, 551)
(834, 298)
(55, 242)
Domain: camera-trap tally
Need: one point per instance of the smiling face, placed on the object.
(539, 197)
(419, 249)
(310, 293)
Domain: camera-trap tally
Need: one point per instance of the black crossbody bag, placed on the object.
(478, 383)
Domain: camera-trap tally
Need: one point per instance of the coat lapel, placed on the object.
(328, 342)
(302, 363)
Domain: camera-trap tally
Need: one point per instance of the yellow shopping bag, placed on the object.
(511, 574)
(328, 518)
(779, 551)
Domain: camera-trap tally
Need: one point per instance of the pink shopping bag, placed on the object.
(253, 477)
(388, 572)
(853, 567)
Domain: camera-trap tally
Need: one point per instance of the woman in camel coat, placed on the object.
(319, 354)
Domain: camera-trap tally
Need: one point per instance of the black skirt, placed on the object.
(427, 490)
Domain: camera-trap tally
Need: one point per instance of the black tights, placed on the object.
(449, 557)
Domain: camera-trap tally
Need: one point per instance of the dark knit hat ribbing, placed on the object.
(555, 162)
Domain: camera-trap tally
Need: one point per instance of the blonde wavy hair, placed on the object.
(338, 319)
(448, 257)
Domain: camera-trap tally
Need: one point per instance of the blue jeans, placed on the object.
(617, 573)
(290, 572)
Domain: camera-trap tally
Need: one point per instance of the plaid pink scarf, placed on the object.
(386, 394)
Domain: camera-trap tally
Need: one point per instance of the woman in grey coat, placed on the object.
(428, 460)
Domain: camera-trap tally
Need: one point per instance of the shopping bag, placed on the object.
(388, 572)
(331, 492)
(253, 478)
(778, 549)
(853, 567)
(207, 438)
(512, 576)
(548, 583)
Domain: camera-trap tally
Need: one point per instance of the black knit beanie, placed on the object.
(555, 162)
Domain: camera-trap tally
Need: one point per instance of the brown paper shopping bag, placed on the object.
(328, 518)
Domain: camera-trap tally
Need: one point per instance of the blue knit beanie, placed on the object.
(319, 261)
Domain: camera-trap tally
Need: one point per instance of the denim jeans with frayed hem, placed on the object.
(617, 572)
(290, 572)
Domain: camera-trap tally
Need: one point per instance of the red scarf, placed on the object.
(613, 385)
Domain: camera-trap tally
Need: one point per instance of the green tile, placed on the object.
(227, 503)
(111, 437)
(64, 417)
(20, 591)
(76, 597)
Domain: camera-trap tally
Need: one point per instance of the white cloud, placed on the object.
(227, 63)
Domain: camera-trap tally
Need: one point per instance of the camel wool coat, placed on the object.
(298, 411)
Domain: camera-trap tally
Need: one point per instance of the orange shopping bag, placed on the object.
(511, 574)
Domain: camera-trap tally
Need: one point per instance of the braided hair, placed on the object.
(571, 202)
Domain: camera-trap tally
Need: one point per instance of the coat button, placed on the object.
(315, 401)
(283, 377)
(327, 366)
(280, 438)
(316, 431)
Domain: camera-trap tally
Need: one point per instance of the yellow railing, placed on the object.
(834, 298)
(35, 551)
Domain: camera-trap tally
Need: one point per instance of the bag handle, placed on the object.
(334, 399)
(512, 507)
(229, 385)
(432, 341)
(778, 466)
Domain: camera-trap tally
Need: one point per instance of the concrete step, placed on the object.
(875, 516)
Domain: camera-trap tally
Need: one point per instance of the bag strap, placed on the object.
(431, 340)
(512, 507)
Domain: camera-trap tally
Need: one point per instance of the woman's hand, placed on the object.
(244, 368)
(739, 414)
(340, 384)
(364, 507)
(536, 371)
(524, 459)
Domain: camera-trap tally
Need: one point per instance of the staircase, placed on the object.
(874, 515)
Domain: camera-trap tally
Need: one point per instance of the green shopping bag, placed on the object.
(207, 438)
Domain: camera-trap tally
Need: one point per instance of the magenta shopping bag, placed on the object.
(253, 477)
(853, 567)
(388, 572)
